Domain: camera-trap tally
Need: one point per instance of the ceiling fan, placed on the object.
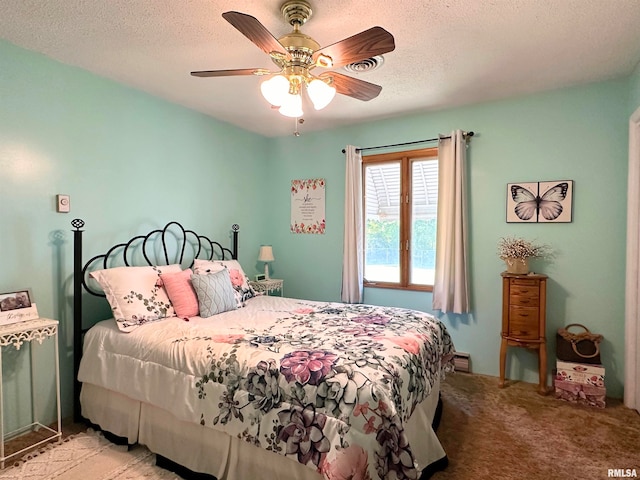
(297, 54)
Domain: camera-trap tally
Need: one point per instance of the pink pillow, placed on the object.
(181, 293)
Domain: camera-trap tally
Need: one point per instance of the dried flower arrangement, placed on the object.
(519, 248)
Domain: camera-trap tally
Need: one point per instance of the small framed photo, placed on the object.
(17, 306)
(260, 277)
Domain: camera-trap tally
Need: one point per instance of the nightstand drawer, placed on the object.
(530, 282)
(532, 291)
(524, 322)
(524, 300)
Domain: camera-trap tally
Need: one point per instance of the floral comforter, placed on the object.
(332, 386)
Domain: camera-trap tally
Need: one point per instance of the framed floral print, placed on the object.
(308, 206)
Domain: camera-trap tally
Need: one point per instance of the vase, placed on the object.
(517, 265)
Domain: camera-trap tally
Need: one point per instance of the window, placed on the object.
(400, 208)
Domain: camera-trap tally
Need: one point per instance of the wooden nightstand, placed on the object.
(269, 286)
(524, 300)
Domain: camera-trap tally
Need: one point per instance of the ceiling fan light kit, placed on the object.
(320, 93)
(297, 54)
(278, 89)
(291, 106)
(274, 89)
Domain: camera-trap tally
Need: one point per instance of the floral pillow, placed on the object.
(239, 279)
(135, 295)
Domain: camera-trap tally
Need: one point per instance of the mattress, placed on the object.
(327, 385)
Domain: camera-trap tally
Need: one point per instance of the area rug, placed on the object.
(87, 456)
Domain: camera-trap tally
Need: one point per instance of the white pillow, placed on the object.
(134, 294)
(239, 280)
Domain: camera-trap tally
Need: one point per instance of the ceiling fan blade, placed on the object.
(230, 73)
(251, 28)
(361, 46)
(353, 87)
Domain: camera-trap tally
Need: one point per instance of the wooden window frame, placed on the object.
(406, 159)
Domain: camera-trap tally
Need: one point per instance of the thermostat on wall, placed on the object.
(63, 203)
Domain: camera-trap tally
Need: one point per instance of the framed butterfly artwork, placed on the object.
(540, 202)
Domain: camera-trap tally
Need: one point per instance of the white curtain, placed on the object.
(450, 289)
(632, 293)
(353, 253)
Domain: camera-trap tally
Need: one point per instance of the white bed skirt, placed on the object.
(205, 450)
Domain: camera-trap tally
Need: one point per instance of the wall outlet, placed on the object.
(63, 203)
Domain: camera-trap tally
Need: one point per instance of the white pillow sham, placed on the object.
(134, 294)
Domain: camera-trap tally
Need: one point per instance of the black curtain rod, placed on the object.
(466, 134)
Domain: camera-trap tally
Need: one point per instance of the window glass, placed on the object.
(400, 210)
(424, 208)
(382, 222)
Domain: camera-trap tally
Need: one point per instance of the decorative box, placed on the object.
(580, 383)
(580, 373)
(581, 393)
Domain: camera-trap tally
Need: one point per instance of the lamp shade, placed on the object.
(320, 93)
(291, 105)
(275, 89)
(266, 254)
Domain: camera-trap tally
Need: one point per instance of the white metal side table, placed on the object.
(17, 334)
(269, 286)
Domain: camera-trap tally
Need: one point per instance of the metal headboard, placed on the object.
(170, 244)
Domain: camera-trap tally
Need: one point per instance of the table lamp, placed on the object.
(266, 256)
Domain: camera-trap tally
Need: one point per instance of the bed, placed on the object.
(263, 387)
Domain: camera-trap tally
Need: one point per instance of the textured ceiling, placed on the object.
(448, 52)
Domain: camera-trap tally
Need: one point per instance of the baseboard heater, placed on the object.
(461, 362)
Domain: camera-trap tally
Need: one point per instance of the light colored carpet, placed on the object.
(87, 456)
(512, 433)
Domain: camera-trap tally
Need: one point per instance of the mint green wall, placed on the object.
(578, 134)
(130, 163)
